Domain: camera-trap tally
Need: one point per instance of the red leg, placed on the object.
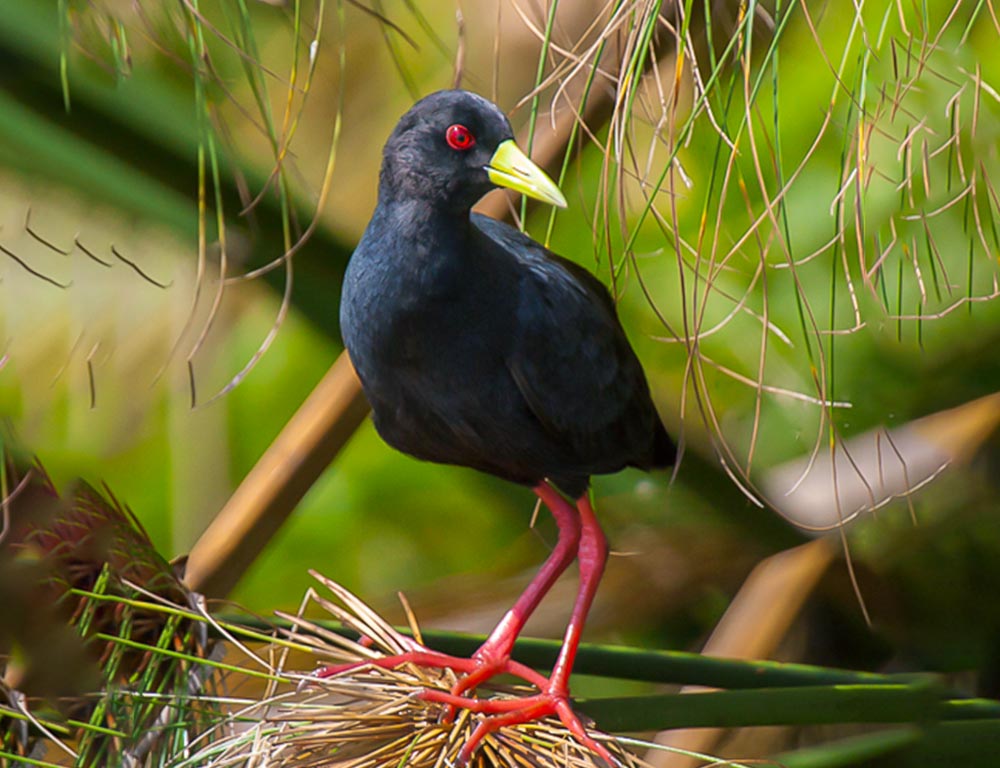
(424, 657)
(592, 557)
(494, 654)
(580, 536)
(554, 697)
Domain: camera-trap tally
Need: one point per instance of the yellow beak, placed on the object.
(510, 167)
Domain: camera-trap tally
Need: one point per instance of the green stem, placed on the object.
(811, 705)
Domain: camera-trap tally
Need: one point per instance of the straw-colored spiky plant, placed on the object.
(372, 717)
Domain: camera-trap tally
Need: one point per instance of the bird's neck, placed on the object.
(426, 228)
(422, 256)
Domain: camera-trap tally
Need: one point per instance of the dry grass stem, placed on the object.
(371, 717)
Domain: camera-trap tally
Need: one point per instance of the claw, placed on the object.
(472, 669)
(507, 712)
(498, 712)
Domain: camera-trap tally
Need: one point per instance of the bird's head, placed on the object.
(453, 147)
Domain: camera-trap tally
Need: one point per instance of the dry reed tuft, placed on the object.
(371, 717)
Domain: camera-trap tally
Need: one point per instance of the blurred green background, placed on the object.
(801, 231)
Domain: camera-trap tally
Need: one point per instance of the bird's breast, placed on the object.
(431, 325)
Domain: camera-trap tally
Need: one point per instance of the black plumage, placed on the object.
(476, 345)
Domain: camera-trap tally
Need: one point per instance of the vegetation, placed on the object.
(796, 207)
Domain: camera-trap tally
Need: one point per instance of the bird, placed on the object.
(477, 346)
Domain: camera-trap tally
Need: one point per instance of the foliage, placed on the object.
(794, 203)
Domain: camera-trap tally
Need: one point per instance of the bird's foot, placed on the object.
(474, 670)
(526, 709)
(419, 656)
(552, 699)
(490, 663)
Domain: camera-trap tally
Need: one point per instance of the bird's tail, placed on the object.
(664, 450)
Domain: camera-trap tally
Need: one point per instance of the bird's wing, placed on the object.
(569, 355)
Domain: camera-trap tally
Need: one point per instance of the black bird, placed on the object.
(477, 346)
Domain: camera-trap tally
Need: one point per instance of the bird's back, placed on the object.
(574, 367)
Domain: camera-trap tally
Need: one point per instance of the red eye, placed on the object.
(459, 137)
